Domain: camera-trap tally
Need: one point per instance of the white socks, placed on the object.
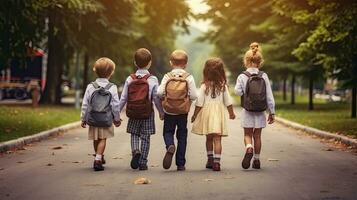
(256, 156)
(249, 146)
(98, 157)
(217, 158)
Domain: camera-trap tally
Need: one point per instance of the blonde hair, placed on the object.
(104, 67)
(179, 58)
(253, 56)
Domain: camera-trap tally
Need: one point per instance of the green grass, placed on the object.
(19, 121)
(332, 117)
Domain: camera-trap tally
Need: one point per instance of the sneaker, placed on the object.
(135, 160)
(256, 164)
(247, 158)
(209, 163)
(166, 163)
(181, 168)
(98, 165)
(216, 167)
(143, 167)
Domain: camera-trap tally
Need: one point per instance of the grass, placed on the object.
(19, 121)
(332, 117)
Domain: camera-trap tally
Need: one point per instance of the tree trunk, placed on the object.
(85, 71)
(311, 93)
(293, 80)
(354, 101)
(49, 94)
(284, 90)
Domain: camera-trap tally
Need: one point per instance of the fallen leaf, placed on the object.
(56, 148)
(142, 181)
(53, 153)
(115, 158)
(77, 162)
(273, 159)
(49, 164)
(328, 149)
(208, 179)
(22, 148)
(2, 169)
(20, 162)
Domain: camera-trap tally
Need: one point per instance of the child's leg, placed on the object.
(101, 146)
(209, 145)
(248, 134)
(144, 149)
(95, 145)
(257, 142)
(217, 148)
(169, 130)
(135, 150)
(181, 136)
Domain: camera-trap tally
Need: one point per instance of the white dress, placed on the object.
(254, 119)
(212, 119)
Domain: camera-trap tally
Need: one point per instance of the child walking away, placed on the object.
(178, 90)
(255, 88)
(100, 109)
(138, 94)
(209, 117)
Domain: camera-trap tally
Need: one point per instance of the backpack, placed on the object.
(176, 99)
(99, 107)
(254, 98)
(139, 105)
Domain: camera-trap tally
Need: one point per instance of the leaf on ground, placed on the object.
(115, 157)
(53, 153)
(208, 179)
(273, 159)
(142, 181)
(20, 162)
(2, 168)
(56, 148)
(77, 162)
(328, 149)
(22, 148)
(49, 164)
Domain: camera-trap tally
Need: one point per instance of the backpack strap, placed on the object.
(146, 77)
(185, 75)
(247, 73)
(260, 74)
(108, 86)
(95, 85)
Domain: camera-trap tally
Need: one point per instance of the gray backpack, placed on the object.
(99, 108)
(254, 98)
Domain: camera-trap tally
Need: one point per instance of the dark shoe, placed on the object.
(209, 163)
(166, 163)
(216, 167)
(181, 168)
(256, 164)
(103, 161)
(143, 167)
(247, 158)
(98, 165)
(135, 160)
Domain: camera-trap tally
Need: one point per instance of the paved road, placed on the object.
(304, 170)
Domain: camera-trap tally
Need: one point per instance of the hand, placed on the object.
(271, 118)
(232, 116)
(193, 118)
(162, 116)
(117, 123)
(84, 124)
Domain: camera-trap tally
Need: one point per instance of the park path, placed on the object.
(294, 166)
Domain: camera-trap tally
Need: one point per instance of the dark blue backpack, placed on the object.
(99, 108)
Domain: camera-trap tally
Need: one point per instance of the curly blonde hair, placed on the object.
(254, 56)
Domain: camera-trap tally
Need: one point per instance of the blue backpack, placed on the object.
(99, 108)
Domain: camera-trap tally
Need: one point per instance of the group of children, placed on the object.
(172, 98)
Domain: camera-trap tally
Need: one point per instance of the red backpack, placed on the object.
(139, 105)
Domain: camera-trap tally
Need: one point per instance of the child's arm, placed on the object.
(156, 99)
(115, 105)
(124, 96)
(238, 89)
(84, 107)
(197, 110)
(270, 100)
(192, 89)
(161, 88)
(227, 100)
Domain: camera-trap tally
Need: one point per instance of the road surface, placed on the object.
(294, 166)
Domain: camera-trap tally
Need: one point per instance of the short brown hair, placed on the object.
(179, 58)
(104, 67)
(142, 57)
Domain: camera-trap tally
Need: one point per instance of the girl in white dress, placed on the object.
(253, 122)
(209, 118)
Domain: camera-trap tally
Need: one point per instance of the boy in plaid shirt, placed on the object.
(141, 129)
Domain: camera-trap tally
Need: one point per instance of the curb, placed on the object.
(20, 142)
(313, 131)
